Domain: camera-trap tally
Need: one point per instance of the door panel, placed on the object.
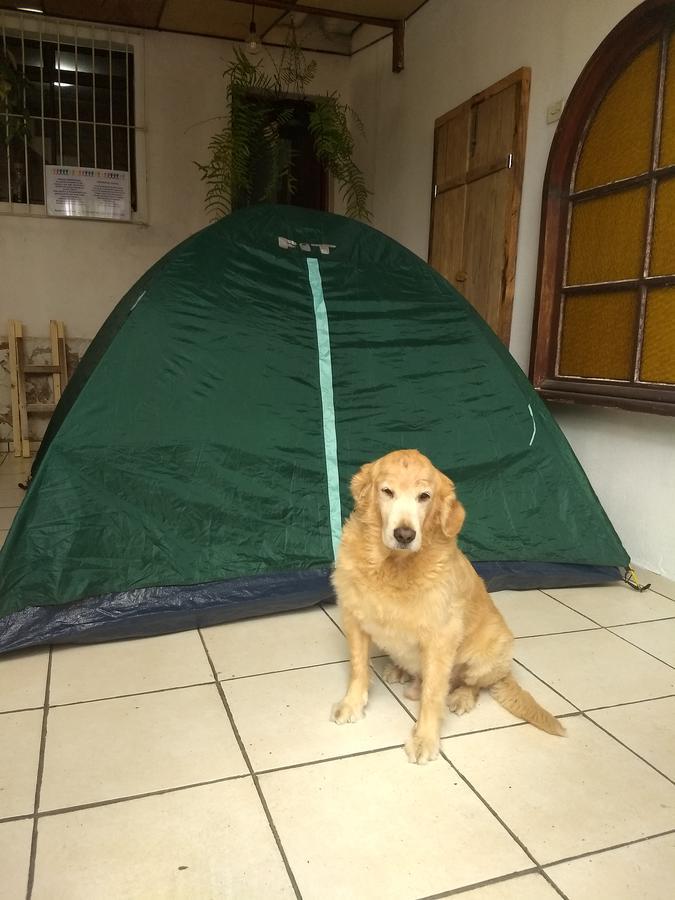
(493, 129)
(447, 238)
(478, 168)
(452, 145)
(484, 227)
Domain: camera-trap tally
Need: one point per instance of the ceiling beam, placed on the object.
(289, 6)
(397, 25)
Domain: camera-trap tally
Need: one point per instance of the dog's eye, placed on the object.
(388, 492)
(424, 496)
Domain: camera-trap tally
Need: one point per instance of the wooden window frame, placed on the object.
(645, 24)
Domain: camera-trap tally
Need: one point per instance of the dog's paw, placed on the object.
(345, 712)
(394, 674)
(461, 700)
(413, 690)
(421, 748)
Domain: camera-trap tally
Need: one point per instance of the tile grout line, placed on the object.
(513, 835)
(597, 725)
(327, 614)
(509, 830)
(526, 637)
(661, 594)
(634, 752)
(567, 606)
(607, 627)
(498, 879)
(643, 621)
(637, 647)
(332, 662)
(38, 781)
(555, 690)
(253, 774)
(176, 687)
(64, 810)
(179, 687)
(628, 703)
(9, 712)
(328, 759)
(393, 694)
(587, 853)
(8, 819)
(582, 710)
(518, 724)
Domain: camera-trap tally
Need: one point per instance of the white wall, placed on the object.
(77, 271)
(455, 48)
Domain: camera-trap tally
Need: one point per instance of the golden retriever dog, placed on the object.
(402, 581)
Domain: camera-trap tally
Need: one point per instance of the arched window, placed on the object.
(605, 320)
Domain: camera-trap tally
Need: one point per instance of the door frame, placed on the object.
(522, 79)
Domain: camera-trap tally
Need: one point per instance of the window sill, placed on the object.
(39, 211)
(658, 400)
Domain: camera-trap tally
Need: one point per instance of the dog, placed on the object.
(402, 582)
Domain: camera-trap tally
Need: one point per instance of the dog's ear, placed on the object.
(452, 513)
(361, 483)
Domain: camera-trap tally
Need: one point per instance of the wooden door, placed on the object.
(479, 150)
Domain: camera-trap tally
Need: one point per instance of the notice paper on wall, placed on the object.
(85, 193)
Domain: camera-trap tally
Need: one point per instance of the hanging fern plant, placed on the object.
(251, 159)
(14, 120)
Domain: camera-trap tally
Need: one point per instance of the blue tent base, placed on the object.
(159, 610)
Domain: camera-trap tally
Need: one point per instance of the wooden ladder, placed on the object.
(18, 371)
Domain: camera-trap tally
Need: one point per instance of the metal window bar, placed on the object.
(58, 78)
(5, 126)
(93, 94)
(25, 105)
(42, 117)
(110, 102)
(128, 131)
(77, 97)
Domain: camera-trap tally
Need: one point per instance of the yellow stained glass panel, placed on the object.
(607, 237)
(619, 140)
(598, 335)
(663, 241)
(658, 348)
(667, 150)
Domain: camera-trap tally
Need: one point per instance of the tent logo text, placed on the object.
(288, 244)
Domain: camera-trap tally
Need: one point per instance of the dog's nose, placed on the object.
(404, 535)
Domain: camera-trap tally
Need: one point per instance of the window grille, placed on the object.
(81, 106)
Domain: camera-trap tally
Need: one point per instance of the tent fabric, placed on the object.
(158, 610)
(210, 432)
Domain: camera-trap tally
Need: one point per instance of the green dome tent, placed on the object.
(197, 467)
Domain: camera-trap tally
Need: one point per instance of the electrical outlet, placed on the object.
(553, 111)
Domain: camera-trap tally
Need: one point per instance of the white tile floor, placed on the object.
(204, 765)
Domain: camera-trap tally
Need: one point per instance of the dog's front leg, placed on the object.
(351, 707)
(423, 744)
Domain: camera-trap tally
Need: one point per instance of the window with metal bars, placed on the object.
(76, 106)
(605, 323)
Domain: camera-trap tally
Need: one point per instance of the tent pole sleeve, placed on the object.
(327, 405)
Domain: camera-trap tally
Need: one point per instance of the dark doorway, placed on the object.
(307, 175)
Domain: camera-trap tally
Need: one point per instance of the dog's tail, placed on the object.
(518, 702)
